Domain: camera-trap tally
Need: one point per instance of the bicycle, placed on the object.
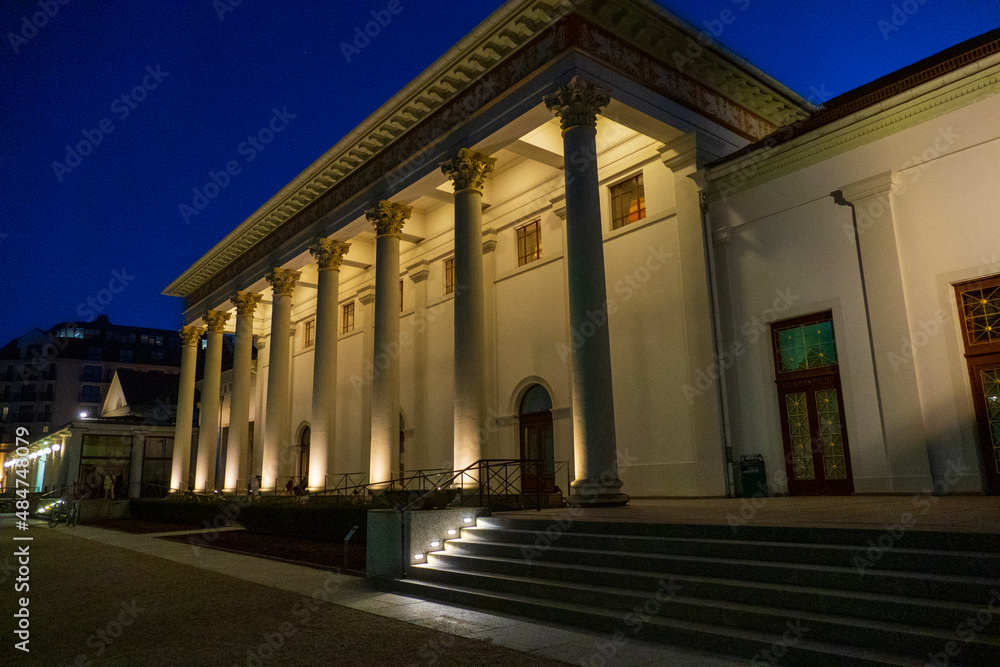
(58, 514)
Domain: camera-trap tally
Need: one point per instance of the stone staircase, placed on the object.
(763, 595)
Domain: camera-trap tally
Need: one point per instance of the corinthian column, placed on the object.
(237, 465)
(468, 171)
(279, 372)
(208, 431)
(329, 254)
(180, 470)
(594, 450)
(388, 219)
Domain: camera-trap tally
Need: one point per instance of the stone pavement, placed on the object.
(104, 597)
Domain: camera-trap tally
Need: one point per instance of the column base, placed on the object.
(591, 493)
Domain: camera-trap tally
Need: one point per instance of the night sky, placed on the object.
(111, 221)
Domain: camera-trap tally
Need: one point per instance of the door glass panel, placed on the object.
(991, 390)
(982, 315)
(798, 432)
(805, 347)
(831, 434)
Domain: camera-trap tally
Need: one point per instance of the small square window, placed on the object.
(347, 318)
(529, 243)
(449, 275)
(309, 334)
(90, 394)
(628, 202)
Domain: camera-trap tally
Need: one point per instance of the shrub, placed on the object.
(315, 520)
(184, 512)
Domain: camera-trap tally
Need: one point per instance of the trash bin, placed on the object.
(753, 477)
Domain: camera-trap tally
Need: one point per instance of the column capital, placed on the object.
(216, 320)
(329, 253)
(190, 335)
(578, 103)
(260, 343)
(468, 170)
(282, 280)
(245, 302)
(388, 217)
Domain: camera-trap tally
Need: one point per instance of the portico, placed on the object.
(500, 225)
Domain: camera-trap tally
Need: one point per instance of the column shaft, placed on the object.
(385, 380)
(470, 329)
(208, 431)
(276, 429)
(238, 466)
(180, 470)
(388, 219)
(323, 426)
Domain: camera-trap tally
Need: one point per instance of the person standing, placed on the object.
(109, 487)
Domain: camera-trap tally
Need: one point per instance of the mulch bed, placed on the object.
(328, 555)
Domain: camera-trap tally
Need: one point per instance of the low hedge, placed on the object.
(186, 512)
(314, 520)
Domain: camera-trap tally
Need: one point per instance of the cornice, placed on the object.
(739, 96)
(908, 109)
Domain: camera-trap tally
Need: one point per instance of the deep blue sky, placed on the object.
(61, 242)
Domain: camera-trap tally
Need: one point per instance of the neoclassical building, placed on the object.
(583, 236)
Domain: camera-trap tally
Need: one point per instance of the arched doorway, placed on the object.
(537, 441)
(302, 471)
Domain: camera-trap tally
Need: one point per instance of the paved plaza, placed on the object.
(101, 597)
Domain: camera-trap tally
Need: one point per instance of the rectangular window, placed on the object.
(157, 355)
(309, 334)
(4, 412)
(347, 318)
(628, 202)
(529, 243)
(26, 413)
(90, 394)
(805, 346)
(92, 373)
(126, 356)
(449, 275)
(93, 353)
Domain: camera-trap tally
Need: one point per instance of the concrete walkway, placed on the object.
(92, 564)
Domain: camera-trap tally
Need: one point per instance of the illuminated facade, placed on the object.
(568, 240)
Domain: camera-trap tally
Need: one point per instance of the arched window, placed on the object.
(537, 441)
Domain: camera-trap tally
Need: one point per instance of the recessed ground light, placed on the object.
(467, 519)
(435, 544)
(418, 556)
(452, 531)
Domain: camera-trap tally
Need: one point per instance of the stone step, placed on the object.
(894, 536)
(668, 598)
(921, 584)
(969, 563)
(852, 604)
(788, 647)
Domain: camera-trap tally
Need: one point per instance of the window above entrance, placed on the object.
(805, 346)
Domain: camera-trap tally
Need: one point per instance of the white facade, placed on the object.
(920, 170)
